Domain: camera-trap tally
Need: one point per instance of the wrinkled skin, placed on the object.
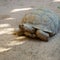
(40, 23)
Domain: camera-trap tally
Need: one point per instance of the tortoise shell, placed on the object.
(43, 19)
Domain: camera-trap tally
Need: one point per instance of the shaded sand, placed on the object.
(21, 48)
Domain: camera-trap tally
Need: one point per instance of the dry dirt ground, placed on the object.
(21, 48)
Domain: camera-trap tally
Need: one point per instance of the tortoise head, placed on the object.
(21, 26)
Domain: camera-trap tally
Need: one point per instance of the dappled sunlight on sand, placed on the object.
(6, 31)
(21, 37)
(4, 25)
(9, 18)
(21, 9)
(13, 43)
(9, 40)
(4, 49)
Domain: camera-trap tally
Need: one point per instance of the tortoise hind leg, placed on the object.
(42, 35)
(28, 34)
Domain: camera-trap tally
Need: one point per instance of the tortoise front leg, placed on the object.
(28, 34)
(20, 31)
(42, 35)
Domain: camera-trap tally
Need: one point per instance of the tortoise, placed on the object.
(39, 23)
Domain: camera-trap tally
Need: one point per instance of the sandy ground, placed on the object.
(21, 48)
